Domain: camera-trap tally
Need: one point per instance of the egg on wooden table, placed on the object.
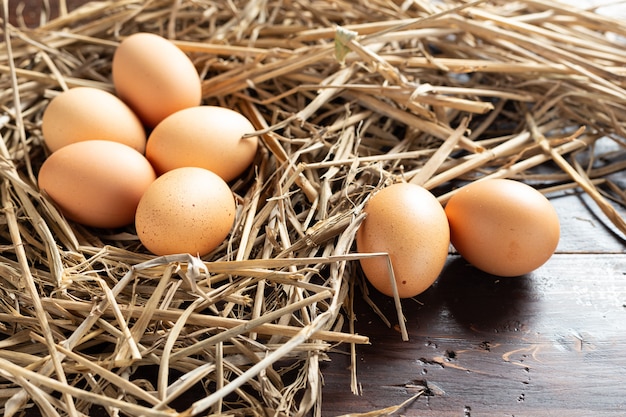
(408, 223)
(87, 113)
(154, 77)
(186, 210)
(96, 182)
(209, 137)
(503, 227)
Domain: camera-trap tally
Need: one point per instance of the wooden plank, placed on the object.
(549, 343)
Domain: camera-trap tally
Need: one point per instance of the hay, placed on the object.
(348, 97)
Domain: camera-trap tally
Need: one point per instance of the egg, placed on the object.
(503, 227)
(209, 137)
(186, 210)
(408, 223)
(96, 183)
(154, 77)
(87, 113)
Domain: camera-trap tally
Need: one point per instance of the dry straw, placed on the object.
(348, 97)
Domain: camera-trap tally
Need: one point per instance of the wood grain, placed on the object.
(550, 343)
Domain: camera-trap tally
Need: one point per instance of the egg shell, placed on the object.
(407, 222)
(97, 183)
(154, 77)
(503, 227)
(209, 137)
(86, 113)
(186, 210)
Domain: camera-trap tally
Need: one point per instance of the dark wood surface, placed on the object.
(551, 343)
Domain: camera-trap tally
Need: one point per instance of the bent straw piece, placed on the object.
(396, 299)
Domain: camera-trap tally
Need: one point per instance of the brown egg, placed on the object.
(207, 137)
(97, 183)
(407, 222)
(503, 227)
(186, 210)
(154, 77)
(86, 113)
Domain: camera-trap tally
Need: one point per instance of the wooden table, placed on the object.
(552, 343)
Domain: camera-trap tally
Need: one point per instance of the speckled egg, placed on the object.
(186, 210)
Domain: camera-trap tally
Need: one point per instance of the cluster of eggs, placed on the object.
(150, 154)
(501, 226)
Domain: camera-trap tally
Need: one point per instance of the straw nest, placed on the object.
(347, 97)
